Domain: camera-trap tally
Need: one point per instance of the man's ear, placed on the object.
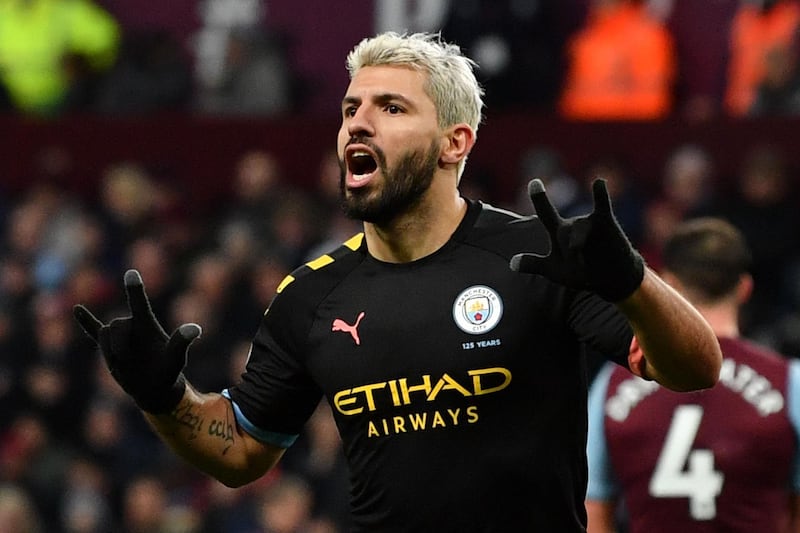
(458, 142)
(744, 289)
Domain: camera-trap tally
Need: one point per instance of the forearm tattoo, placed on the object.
(187, 417)
(223, 429)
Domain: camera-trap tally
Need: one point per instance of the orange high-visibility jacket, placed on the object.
(621, 66)
(753, 35)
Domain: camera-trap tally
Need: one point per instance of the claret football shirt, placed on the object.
(721, 459)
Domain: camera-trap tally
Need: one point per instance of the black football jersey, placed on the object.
(458, 385)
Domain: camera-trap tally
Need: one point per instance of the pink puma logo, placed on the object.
(341, 325)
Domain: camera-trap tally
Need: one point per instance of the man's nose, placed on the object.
(361, 124)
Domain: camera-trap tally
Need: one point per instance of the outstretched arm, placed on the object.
(202, 429)
(591, 252)
(148, 364)
(678, 348)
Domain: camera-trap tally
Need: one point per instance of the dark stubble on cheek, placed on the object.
(403, 187)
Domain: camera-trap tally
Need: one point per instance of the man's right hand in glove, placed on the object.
(144, 360)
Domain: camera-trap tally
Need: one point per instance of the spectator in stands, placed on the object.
(621, 65)
(152, 74)
(778, 94)
(18, 512)
(273, 216)
(37, 37)
(321, 462)
(689, 180)
(11, 363)
(106, 440)
(56, 386)
(568, 194)
(759, 28)
(33, 458)
(128, 206)
(69, 237)
(257, 188)
(285, 506)
(686, 190)
(150, 254)
(702, 52)
(659, 218)
(517, 46)
(255, 291)
(208, 297)
(294, 228)
(763, 207)
(144, 505)
(337, 227)
(85, 498)
(233, 510)
(16, 294)
(624, 189)
(256, 78)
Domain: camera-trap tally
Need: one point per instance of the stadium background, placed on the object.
(75, 456)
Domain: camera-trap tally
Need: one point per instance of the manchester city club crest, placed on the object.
(477, 309)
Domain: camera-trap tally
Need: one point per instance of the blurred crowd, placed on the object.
(585, 59)
(71, 442)
(761, 198)
(75, 454)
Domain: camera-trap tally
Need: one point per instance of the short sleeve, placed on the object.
(276, 395)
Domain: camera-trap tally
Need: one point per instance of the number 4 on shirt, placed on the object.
(698, 481)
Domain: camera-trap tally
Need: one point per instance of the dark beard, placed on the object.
(403, 187)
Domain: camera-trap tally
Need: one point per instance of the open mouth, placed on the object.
(361, 163)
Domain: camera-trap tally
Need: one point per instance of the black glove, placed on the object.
(589, 252)
(142, 358)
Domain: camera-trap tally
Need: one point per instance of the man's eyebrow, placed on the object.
(351, 100)
(392, 97)
(382, 98)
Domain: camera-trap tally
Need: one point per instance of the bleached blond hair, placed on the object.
(451, 83)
